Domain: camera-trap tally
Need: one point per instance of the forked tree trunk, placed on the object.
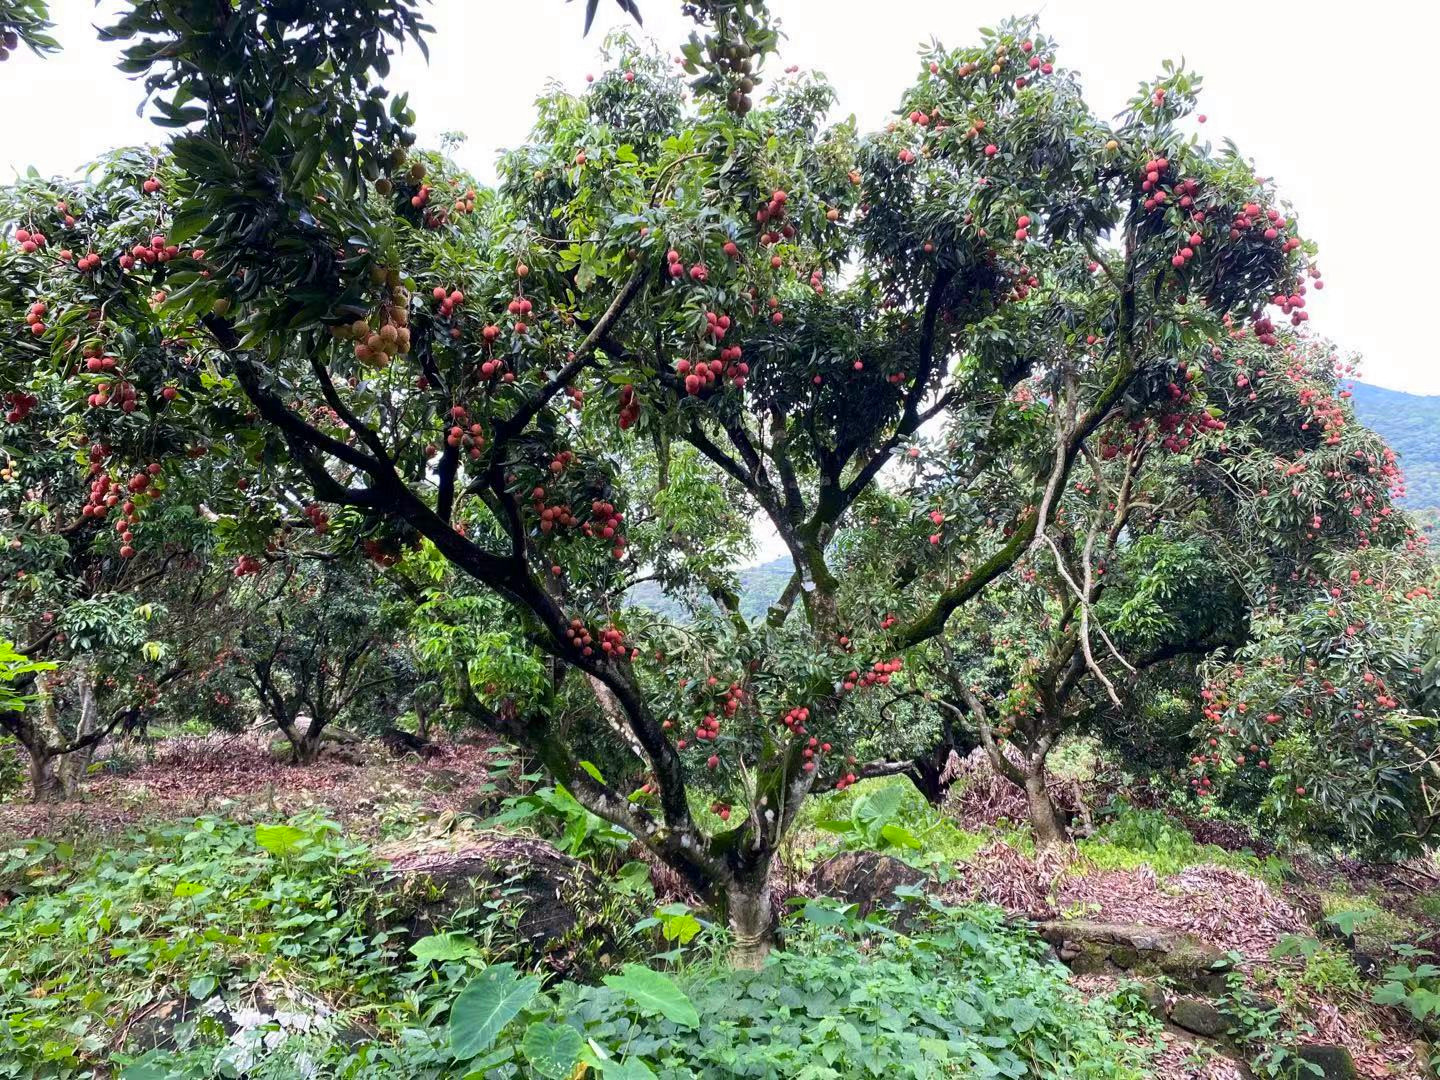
(307, 745)
(304, 744)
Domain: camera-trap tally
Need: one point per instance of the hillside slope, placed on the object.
(1410, 423)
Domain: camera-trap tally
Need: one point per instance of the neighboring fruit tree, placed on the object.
(349, 325)
(1166, 546)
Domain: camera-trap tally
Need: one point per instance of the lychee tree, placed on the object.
(790, 300)
(1327, 724)
(1163, 545)
(310, 642)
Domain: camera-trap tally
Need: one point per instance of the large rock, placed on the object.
(1334, 1063)
(545, 890)
(1198, 1016)
(865, 878)
(1087, 947)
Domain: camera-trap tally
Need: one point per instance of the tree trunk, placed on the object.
(44, 787)
(75, 765)
(422, 722)
(307, 745)
(1045, 820)
(751, 918)
(304, 743)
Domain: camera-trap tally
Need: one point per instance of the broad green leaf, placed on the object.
(443, 947)
(899, 836)
(552, 1049)
(629, 1069)
(679, 928)
(1347, 921)
(279, 839)
(655, 992)
(822, 914)
(489, 1002)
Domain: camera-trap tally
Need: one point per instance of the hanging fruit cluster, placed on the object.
(20, 404)
(469, 438)
(629, 406)
(605, 525)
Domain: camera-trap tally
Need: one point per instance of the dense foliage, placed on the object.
(307, 432)
(93, 940)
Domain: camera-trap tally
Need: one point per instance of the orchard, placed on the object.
(309, 429)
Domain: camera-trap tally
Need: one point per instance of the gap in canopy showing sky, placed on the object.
(1328, 98)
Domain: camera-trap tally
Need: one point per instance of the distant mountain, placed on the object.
(760, 586)
(1410, 423)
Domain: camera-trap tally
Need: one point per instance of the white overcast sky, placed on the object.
(1321, 94)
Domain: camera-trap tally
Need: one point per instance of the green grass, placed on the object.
(1135, 837)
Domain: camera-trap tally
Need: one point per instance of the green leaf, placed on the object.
(1347, 921)
(633, 878)
(899, 836)
(656, 993)
(552, 1049)
(279, 839)
(679, 928)
(202, 986)
(489, 1002)
(443, 947)
(822, 914)
(629, 1069)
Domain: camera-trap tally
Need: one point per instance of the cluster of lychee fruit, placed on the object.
(604, 524)
(377, 345)
(629, 406)
(35, 318)
(676, 268)
(772, 213)
(551, 516)
(20, 404)
(470, 438)
(30, 241)
(880, 672)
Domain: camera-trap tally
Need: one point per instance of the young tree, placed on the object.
(416, 354)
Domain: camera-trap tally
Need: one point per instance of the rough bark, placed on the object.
(43, 785)
(751, 917)
(304, 745)
(74, 765)
(1045, 821)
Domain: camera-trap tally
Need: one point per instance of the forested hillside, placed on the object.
(1410, 423)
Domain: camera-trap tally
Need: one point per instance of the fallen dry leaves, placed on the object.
(184, 777)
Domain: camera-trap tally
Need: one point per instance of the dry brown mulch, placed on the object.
(216, 773)
(1221, 906)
